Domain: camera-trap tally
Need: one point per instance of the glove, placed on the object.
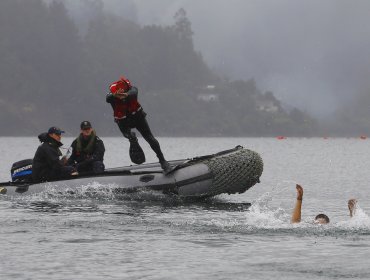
(64, 160)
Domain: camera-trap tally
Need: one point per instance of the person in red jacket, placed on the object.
(129, 114)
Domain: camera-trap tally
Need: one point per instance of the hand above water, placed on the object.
(299, 192)
(352, 206)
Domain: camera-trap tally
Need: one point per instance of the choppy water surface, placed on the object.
(152, 236)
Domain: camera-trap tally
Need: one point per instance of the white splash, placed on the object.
(262, 216)
(360, 220)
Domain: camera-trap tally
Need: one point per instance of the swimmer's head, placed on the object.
(322, 219)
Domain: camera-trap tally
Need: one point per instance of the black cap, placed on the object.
(55, 130)
(85, 125)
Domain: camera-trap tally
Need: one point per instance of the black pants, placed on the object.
(62, 173)
(139, 122)
(93, 166)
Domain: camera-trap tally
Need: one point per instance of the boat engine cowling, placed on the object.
(21, 171)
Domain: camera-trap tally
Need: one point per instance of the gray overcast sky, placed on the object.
(313, 54)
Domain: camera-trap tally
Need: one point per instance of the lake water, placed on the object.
(152, 236)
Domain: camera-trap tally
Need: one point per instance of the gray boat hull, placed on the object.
(231, 171)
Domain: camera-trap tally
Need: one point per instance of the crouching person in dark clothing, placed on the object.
(87, 151)
(47, 165)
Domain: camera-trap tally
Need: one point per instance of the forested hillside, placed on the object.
(53, 74)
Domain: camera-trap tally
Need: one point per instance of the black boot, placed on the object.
(165, 166)
(132, 138)
(136, 152)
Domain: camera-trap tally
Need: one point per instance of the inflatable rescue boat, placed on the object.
(231, 171)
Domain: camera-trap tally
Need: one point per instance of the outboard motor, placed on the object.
(21, 171)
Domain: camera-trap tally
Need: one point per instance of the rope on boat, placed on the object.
(235, 172)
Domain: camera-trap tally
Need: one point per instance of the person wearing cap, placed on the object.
(47, 165)
(87, 151)
(129, 114)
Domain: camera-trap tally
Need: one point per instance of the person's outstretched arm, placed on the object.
(296, 216)
(109, 98)
(352, 207)
(133, 92)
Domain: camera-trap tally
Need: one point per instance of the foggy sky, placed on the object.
(313, 54)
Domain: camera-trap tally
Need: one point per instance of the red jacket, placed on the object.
(125, 107)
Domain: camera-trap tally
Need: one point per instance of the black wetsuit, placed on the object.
(135, 120)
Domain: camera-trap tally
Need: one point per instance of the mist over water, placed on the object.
(311, 54)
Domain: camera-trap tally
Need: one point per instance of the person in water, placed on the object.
(129, 114)
(47, 165)
(320, 218)
(87, 151)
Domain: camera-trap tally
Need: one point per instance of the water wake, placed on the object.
(206, 215)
